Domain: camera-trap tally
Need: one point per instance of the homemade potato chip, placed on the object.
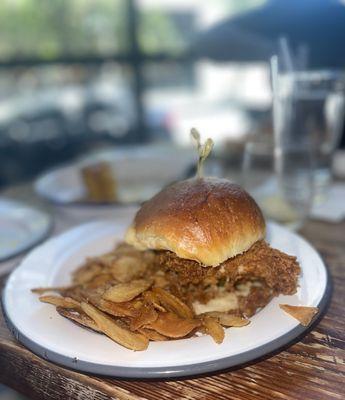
(58, 301)
(146, 314)
(173, 304)
(126, 338)
(152, 298)
(57, 289)
(126, 291)
(78, 317)
(214, 329)
(153, 335)
(116, 309)
(77, 293)
(160, 281)
(126, 263)
(127, 268)
(99, 281)
(228, 319)
(303, 314)
(171, 325)
(86, 273)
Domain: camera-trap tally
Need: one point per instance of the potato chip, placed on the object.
(74, 292)
(128, 250)
(106, 259)
(77, 293)
(173, 304)
(58, 301)
(86, 273)
(99, 281)
(228, 319)
(78, 317)
(153, 335)
(137, 303)
(126, 291)
(126, 338)
(126, 263)
(171, 325)
(127, 268)
(152, 298)
(303, 314)
(214, 329)
(57, 289)
(116, 309)
(160, 281)
(124, 248)
(146, 314)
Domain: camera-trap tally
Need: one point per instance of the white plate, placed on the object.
(20, 227)
(140, 173)
(49, 335)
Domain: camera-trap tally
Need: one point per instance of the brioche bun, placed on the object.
(207, 220)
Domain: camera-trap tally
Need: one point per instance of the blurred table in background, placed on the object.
(63, 217)
(313, 368)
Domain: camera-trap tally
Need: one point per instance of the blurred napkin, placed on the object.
(333, 208)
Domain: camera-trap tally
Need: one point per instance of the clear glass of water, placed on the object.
(308, 112)
(280, 181)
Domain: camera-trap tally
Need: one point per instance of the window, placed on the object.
(79, 73)
(48, 30)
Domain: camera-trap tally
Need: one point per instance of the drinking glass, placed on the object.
(280, 181)
(308, 110)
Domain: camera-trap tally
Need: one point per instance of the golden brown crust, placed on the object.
(278, 270)
(204, 219)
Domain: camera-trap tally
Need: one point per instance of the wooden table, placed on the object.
(313, 368)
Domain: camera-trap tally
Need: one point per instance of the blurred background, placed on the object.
(77, 75)
(80, 75)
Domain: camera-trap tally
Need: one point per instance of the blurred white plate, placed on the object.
(20, 227)
(56, 339)
(140, 173)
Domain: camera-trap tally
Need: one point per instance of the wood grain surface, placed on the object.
(313, 368)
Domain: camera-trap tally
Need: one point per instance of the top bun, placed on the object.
(203, 219)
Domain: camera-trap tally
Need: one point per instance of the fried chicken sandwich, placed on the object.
(208, 237)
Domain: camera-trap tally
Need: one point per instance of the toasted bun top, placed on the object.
(204, 219)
